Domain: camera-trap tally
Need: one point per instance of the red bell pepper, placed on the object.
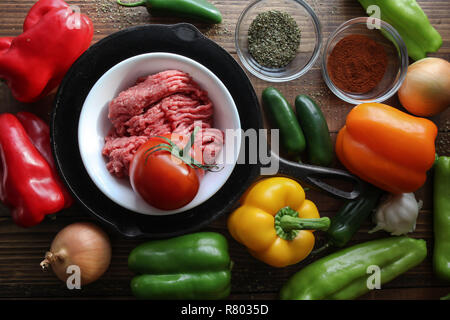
(39, 134)
(28, 185)
(35, 62)
(5, 43)
(39, 9)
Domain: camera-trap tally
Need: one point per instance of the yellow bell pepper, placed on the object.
(275, 222)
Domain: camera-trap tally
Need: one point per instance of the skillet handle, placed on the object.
(313, 175)
(186, 32)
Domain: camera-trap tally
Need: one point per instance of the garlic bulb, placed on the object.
(397, 214)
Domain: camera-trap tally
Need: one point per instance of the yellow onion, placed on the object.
(426, 89)
(82, 244)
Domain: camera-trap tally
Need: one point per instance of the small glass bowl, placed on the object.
(310, 40)
(395, 50)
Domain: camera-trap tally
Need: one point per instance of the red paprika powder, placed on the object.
(357, 64)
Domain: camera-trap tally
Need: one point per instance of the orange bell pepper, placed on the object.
(387, 147)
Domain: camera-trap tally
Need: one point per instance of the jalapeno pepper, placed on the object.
(350, 216)
(196, 9)
(441, 216)
(344, 274)
(315, 127)
(283, 118)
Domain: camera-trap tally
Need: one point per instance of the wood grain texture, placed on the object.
(21, 250)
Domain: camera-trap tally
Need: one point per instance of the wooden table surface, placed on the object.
(21, 250)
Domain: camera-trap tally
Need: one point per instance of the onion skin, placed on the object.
(83, 244)
(426, 89)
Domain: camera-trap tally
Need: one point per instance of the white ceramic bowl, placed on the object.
(94, 125)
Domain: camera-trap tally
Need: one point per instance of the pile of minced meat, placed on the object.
(166, 102)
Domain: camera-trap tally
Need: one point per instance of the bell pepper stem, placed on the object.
(132, 4)
(289, 223)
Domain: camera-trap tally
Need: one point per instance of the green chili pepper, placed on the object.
(315, 128)
(441, 216)
(283, 118)
(345, 274)
(408, 18)
(193, 266)
(349, 218)
(195, 9)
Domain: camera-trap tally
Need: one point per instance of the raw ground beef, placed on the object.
(120, 151)
(166, 102)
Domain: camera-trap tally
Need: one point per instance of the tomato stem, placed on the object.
(182, 154)
(191, 141)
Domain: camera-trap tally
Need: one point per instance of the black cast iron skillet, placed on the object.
(186, 40)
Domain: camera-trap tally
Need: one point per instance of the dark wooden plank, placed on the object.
(22, 250)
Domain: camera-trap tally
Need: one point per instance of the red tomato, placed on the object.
(164, 181)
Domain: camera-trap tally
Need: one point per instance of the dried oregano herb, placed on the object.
(273, 39)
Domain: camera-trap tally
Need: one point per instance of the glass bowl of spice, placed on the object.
(278, 40)
(364, 60)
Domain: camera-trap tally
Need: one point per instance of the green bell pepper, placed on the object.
(408, 18)
(193, 266)
(344, 274)
(441, 216)
(196, 9)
